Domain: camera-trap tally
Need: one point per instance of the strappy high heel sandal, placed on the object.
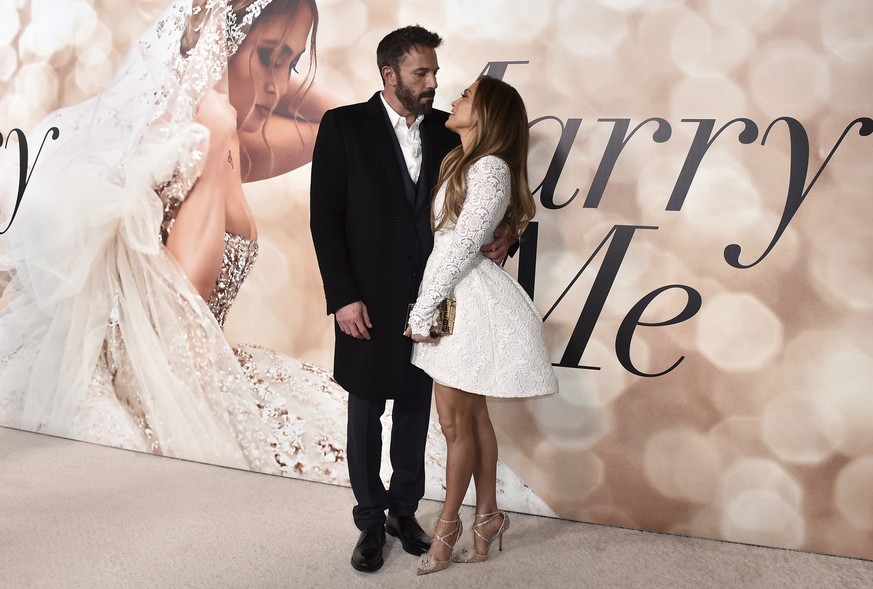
(427, 563)
(469, 555)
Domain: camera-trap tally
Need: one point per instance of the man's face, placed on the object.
(416, 81)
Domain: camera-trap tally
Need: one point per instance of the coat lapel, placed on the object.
(383, 144)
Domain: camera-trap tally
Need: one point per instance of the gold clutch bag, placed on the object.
(443, 318)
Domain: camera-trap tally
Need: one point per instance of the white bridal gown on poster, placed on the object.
(103, 337)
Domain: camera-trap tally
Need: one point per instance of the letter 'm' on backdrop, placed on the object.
(701, 252)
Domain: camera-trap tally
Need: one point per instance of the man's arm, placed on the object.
(327, 207)
(328, 197)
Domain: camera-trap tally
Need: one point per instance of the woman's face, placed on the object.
(257, 74)
(462, 117)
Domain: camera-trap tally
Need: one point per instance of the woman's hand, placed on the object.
(427, 339)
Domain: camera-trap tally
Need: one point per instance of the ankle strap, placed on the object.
(458, 529)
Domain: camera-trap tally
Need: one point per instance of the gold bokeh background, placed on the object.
(763, 433)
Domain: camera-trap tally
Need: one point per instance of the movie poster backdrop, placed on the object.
(701, 253)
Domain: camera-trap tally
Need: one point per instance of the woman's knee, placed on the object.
(455, 425)
(455, 409)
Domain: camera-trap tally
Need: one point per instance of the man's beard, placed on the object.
(411, 101)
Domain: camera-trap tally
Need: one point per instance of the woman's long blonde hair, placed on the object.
(502, 131)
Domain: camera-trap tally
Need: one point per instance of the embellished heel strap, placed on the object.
(491, 517)
(458, 529)
(428, 564)
(469, 555)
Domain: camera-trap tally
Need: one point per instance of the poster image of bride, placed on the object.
(700, 254)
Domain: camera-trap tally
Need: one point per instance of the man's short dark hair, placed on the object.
(397, 43)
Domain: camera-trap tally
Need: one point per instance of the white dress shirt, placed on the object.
(409, 138)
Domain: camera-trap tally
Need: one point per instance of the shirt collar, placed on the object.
(397, 119)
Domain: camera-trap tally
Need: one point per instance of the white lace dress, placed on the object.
(497, 347)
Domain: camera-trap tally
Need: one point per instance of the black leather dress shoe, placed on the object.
(367, 556)
(406, 527)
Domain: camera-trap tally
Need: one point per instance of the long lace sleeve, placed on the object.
(486, 199)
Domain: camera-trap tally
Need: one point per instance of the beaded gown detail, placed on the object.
(299, 431)
(497, 347)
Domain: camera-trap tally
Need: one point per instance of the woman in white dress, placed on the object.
(497, 347)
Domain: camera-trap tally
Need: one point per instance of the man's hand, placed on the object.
(428, 339)
(353, 320)
(496, 250)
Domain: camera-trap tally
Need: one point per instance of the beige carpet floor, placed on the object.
(78, 515)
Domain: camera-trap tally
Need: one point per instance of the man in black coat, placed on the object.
(373, 169)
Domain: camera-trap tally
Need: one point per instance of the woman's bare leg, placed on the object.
(485, 474)
(485, 469)
(455, 409)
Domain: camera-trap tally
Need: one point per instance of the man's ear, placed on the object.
(389, 76)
